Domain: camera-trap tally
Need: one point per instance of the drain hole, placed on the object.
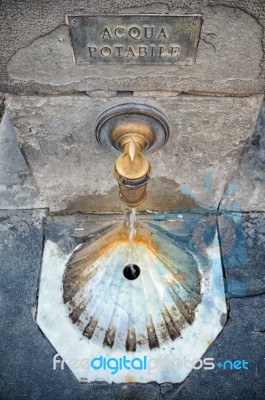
(131, 271)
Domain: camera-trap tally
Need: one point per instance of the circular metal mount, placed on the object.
(133, 112)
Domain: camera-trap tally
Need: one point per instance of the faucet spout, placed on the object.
(132, 129)
(132, 169)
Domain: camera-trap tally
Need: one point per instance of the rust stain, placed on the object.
(172, 329)
(90, 328)
(77, 310)
(109, 337)
(129, 379)
(90, 252)
(152, 336)
(131, 340)
(81, 268)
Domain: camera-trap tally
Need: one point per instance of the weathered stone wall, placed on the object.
(56, 135)
(36, 54)
(50, 147)
(248, 183)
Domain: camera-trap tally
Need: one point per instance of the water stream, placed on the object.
(132, 226)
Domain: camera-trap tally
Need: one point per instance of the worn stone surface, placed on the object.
(241, 339)
(17, 186)
(56, 136)
(36, 54)
(242, 238)
(248, 183)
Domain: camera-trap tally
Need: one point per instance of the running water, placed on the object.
(132, 234)
(132, 225)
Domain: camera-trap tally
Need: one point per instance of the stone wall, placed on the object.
(52, 104)
(73, 173)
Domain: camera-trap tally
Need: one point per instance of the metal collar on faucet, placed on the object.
(132, 129)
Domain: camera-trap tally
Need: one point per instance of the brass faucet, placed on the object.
(132, 129)
(132, 169)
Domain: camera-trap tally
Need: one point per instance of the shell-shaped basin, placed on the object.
(134, 312)
(140, 311)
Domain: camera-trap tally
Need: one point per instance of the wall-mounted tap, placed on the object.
(132, 169)
(132, 129)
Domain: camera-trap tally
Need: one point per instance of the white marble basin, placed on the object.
(172, 310)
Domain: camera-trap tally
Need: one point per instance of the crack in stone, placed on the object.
(248, 294)
(44, 223)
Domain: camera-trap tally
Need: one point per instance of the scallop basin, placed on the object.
(144, 310)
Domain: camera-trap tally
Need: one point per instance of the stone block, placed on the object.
(17, 186)
(246, 191)
(37, 55)
(242, 238)
(73, 173)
